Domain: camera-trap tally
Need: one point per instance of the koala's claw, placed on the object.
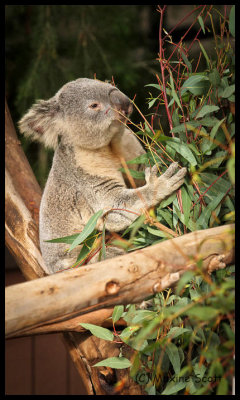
(151, 173)
(170, 171)
(178, 179)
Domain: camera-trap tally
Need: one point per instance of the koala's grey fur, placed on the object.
(84, 123)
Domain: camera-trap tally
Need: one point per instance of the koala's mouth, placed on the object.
(123, 115)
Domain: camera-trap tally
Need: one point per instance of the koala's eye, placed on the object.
(94, 105)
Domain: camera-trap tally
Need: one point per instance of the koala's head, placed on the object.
(84, 112)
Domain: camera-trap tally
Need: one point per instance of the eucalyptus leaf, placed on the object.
(114, 362)
(200, 20)
(86, 248)
(88, 229)
(117, 313)
(228, 91)
(202, 313)
(173, 354)
(232, 20)
(207, 110)
(171, 388)
(184, 150)
(98, 331)
(194, 84)
(186, 203)
(65, 239)
(177, 331)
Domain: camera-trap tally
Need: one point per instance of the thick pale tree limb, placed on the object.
(23, 193)
(129, 279)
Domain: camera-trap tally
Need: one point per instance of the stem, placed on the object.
(162, 65)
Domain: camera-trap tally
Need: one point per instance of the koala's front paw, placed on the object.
(171, 180)
(167, 183)
(151, 174)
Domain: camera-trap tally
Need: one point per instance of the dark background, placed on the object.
(49, 45)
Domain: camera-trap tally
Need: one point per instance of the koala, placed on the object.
(85, 122)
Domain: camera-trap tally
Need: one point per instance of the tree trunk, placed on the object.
(23, 199)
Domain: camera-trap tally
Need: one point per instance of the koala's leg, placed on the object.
(134, 201)
(56, 256)
(110, 253)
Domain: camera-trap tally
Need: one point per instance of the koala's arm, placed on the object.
(128, 147)
(123, 205)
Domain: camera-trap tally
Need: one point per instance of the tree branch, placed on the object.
(129, 279)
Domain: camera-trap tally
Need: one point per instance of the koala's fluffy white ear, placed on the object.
(41, 122)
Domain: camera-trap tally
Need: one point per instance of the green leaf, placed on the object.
(114, 362)
(191, 225)
(206, 213)
(98, 331)
(64, 239)
(171, 389)
(157, 232)
(228, 91)
(232, 21)
(231, 169)
(143, 315)
(199, 370)
(207, 110)
(142, 159)
(166, 215)
(174, 94)
(103, 250)
(128, 332)
(215, 128)
(133, 173)
(177, 331)
(185, 278)
(155, 85)
(205, 54)
(173, 354)
(186, 203)
(222, 388)
(195, 84)
(167, 201)
(184, 150)
(200, 20)
(151, 390)
(130, 313)
(88, 229)
(186, 61)
(151, 102)
(117, 313)
(86, 248)
(214, 77)
(203, 313)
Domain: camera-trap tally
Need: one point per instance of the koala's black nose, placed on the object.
(120, 102)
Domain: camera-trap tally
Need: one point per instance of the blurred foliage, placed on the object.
(59, 43)
(49, 45)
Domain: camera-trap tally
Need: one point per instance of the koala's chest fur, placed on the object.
(102, 162)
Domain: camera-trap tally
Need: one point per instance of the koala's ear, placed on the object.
(41, 122)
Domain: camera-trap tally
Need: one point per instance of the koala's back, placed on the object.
(59, 215)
